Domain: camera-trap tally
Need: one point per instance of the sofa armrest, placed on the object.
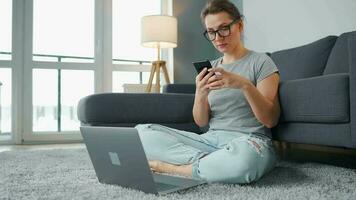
(321, 99)
(352, 67)
(179, 88)
(111, 108)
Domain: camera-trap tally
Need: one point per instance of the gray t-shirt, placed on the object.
(229, 108)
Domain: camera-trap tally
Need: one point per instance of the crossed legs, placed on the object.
(172, 151)
(216, 157)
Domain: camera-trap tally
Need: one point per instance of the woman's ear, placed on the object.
(241, 26)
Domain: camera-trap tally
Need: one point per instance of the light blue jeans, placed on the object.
(216, 156)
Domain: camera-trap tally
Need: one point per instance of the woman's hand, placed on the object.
(201, 81)
(224, 79)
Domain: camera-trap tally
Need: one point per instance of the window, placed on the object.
(63, 30)
(56, 52)
(5, 101)
(45, 99)
(72, 90)
(127, 52)
(5, 68)
(127, 28)
(57, 110)
(6, 29)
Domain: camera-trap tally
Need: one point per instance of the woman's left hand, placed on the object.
(224, 79)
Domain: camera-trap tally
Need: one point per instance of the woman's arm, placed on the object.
(201, 108)
(262, 98)
(201, 111)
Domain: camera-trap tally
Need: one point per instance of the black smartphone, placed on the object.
(199, 66)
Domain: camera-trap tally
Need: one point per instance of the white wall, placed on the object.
(279, 24)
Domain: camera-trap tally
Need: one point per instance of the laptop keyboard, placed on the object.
(163, 186)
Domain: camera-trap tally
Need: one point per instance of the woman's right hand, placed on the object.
(201, 108)
(201, 80)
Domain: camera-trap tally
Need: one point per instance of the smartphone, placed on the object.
(199, 66)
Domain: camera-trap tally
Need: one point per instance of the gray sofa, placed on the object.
(317, 95)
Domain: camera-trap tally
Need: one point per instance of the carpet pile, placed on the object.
(69, 174)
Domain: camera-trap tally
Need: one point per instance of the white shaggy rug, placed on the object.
(68, 174)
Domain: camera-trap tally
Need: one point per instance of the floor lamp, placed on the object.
(158, 31)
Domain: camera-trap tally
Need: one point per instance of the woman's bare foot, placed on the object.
(162, 167)
(153, 165)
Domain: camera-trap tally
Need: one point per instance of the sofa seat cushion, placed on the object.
(304, 61)
(322, 99)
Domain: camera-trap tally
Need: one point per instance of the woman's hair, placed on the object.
(217, 6)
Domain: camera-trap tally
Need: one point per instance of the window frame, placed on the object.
(22, 64)
(14, 64)
(28, 135)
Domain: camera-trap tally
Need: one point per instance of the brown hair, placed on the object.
(217, 6)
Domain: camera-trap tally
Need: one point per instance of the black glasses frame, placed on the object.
(206, 32)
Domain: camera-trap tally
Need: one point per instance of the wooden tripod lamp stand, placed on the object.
(158, 31)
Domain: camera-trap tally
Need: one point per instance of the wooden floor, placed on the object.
(38, 147)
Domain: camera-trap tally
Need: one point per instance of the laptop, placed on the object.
(118, 158)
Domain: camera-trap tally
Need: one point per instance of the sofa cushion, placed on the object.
(111, 108)
(333, 134)
(323, 99)
(182, 88)
(304, 61)
(339, 57)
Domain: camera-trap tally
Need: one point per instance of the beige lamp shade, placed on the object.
(159, 31)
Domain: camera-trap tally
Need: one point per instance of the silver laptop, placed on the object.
(118, 158)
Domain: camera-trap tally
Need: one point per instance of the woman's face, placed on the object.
(221, 21)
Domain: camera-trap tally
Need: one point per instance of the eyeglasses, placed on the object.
(223, 31)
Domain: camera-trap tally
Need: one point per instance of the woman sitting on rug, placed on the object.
(237, 98)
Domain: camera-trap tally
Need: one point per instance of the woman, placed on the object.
(237, 98)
